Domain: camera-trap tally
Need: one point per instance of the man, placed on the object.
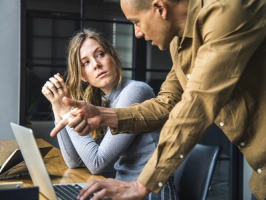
(218, 49)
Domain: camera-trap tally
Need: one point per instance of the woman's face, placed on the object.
(98, 69)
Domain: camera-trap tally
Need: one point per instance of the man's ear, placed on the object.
(160, 7)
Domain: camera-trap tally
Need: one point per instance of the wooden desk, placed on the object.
(58, 170)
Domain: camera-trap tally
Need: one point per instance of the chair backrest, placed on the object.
(193, 178)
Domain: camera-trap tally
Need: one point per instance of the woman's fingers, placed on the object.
(63, 91)
(60, 79)
(47, 93)
(51, 87)
(56, 83)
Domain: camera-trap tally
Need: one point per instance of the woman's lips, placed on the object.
(102, 74)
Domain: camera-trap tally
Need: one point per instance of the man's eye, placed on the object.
(136, 24)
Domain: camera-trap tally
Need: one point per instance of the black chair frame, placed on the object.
(193, 178)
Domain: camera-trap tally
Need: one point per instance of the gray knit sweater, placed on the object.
(129, 152)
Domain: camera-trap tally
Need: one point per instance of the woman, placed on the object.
(95, 76)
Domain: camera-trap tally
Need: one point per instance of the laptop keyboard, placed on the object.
(68, 192)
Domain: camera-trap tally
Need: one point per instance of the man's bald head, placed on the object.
(143, 4)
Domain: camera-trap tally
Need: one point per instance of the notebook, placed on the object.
(14, 166)
(36, 167)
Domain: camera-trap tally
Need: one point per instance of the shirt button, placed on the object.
(221, 124)
(259, 171)
(242, 144)
(181, 156)
(160, 184)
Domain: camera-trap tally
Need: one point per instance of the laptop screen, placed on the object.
(33, 159)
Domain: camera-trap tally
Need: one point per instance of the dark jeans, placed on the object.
(253, 198)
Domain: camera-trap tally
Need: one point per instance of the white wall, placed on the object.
(9, 65)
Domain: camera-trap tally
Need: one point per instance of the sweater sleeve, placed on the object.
(68, 150)
(153, 113)
(78, 149)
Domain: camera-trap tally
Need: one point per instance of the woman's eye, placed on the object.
(101, 55)
(85, 63)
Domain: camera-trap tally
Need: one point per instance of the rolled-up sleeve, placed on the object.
(151, 114)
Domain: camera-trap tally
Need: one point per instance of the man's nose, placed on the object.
(138, 32)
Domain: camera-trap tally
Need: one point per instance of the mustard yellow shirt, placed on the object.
(218, 75)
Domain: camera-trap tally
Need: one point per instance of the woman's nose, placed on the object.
(96, 64)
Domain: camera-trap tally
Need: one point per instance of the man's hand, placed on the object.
(83, 118)
(114, 189)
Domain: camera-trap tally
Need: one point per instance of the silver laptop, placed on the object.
(35, 164)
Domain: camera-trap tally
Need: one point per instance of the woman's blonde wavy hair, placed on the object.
(80, 90)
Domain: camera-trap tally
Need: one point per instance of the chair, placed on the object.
(193, 178)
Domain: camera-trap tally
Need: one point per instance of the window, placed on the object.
(50, 25)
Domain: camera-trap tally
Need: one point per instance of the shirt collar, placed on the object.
(194, 8)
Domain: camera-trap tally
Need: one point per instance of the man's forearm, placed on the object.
(108, 117)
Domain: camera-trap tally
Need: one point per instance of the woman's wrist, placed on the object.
(57, 117)
(58, 114)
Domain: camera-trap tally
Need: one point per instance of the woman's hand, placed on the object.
(54, 90)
